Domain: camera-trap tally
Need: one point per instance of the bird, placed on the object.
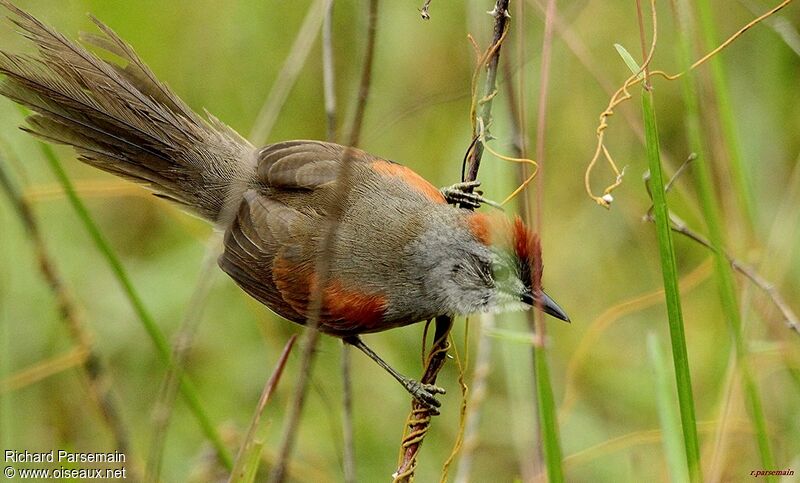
(404, 251)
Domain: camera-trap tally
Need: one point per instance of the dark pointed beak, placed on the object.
(548, 305)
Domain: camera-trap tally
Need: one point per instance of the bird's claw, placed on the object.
(425, 394)
(462, 194)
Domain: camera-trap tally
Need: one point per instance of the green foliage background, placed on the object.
(225, 56)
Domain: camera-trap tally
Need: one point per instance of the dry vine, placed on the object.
(622, 95)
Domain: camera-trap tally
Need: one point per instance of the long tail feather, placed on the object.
(120, 118)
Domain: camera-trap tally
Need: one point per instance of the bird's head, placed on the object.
(498, 270)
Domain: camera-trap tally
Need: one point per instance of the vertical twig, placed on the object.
(348, 452)
(249, 440)
(484, 114)
(366, 75)
(329, 81)
(548, 422)
(420, 417)
(419, 420)
(93, 366)
(311, 336)
(530, 465)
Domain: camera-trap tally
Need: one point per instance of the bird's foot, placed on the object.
(462, 194)
(425, 394)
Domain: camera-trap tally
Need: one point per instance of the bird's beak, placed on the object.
(546, 304)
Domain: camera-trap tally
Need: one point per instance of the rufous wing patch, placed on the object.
(409, 177)
(353, 308)
(344, 309)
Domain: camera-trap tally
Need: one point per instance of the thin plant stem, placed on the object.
(329, 81)
(165, 403)
(667, 416)
(311, 335)
(548, 420)
(669, 269)
(420, 417)
(483, 116)
(366, 75)
(483, 360)
(268, 115)
(249, 445)
(348, 440)
(530, 465)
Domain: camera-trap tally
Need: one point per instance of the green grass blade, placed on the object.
(722, 269)
(667, 416)
(670, 274)
(548, 420)
(187, 389)
(741, 183)
(629, 61)
(247, 466)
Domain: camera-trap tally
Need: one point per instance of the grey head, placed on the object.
(485, 266)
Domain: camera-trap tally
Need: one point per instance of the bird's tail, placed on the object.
(123, 120)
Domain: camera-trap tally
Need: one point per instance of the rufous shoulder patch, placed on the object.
(480, 226)
(411, 178)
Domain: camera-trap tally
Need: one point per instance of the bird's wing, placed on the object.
(306, 165)
(263, 231)
(294, 166)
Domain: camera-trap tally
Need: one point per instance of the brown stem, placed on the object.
(266, 394)
(311, 336)
(483, 119)
(679, 226)
(329, 78)
(420, 417)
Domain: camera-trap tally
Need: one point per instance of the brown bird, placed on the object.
(402, 253)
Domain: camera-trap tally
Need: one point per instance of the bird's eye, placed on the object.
(501, 272)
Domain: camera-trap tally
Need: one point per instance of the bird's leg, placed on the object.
(461, 194)
(424, 393)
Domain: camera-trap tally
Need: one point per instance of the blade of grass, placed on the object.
(187, 389)
(741, 182)
(669, 271)
(548, 419)
(668, 418)
(722, 269)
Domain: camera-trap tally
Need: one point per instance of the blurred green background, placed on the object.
(225, 56)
